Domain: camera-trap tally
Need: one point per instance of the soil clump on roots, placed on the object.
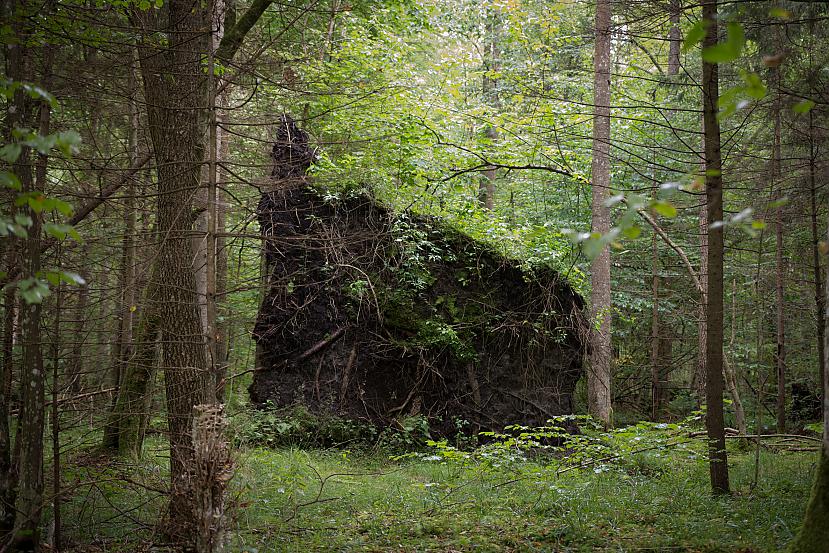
(377, 316)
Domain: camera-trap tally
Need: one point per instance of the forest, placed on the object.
(414, 276)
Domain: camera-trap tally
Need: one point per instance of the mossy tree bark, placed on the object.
(124, 430)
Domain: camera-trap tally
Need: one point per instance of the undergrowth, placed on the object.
(643, 487)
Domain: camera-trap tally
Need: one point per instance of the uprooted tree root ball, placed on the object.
(374, 315)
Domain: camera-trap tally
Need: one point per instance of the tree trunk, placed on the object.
(601, 354)
(492, 63)
(8, 477)
(714, 421)
(32, 379)
(656, 363)
(814, 533)
(175, 91)
(730, 368)
(674, 36)
(76, 357)
(222, 326)
(819, 297)
(124, 426)
(780, 357)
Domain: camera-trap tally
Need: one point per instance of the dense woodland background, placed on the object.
(137, 143)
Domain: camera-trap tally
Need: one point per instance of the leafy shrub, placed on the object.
(411, 433)
(296, 426)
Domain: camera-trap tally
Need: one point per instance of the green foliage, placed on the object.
(409, 433)
(296, 426)
(729, 50)
(35, 288)
(322, 500)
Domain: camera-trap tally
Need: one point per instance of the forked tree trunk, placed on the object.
(714, 422)
(176, 92)
(601, 353)
(174, 88)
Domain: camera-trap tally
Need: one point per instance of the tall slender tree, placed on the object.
(714, 419)
(601, 353)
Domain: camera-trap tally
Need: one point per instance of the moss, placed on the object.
(814, 534)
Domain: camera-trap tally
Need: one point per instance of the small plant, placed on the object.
(296, 426)
(409, 434)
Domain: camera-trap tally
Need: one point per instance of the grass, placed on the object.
(433, 506)
(498, 499)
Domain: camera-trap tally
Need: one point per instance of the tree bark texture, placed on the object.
(820, 302)
(124, 427)
(675, 38)
(15, 116)
(175, 91)
(601, 354)
(780, 357)
(656, 362)
(714, 421)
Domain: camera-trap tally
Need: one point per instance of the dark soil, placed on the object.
(378, 316)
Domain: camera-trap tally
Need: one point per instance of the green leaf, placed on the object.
(780, 13)
(50, 204)
(72, 278)
(23, 220)
(613, 200)
(632, 232)
(56, 277)
(43, 144)
(10, 180)
(664, 208)
(144, 5)
(35, 202)
(52, 277)
(54, 230)
(37, 93)
(755, 87)
(33, 290)
(67, 142)
(61, 231)
(695, 34)
(10, 152)
(804, 106)
(729, 50)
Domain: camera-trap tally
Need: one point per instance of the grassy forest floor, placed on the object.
(642, 488)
